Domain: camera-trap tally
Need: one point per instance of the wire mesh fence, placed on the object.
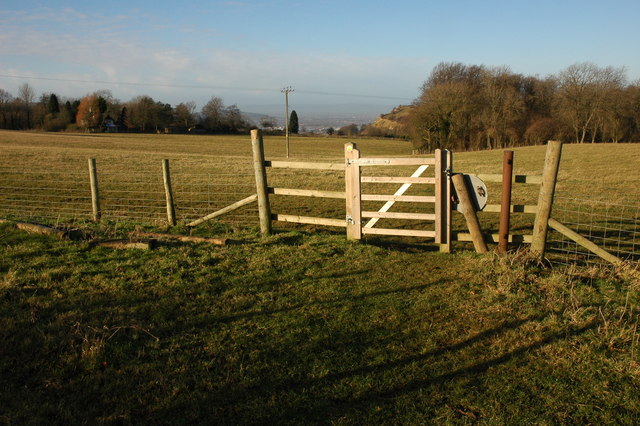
(129, 191)
(613, 227)
(133, 190)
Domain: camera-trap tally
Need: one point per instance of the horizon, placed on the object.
(364, 54)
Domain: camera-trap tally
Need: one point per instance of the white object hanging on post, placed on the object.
(419, 171)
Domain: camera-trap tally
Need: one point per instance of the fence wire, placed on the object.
(133, 192)
(613, 227)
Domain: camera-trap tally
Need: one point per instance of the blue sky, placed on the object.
(375, 53)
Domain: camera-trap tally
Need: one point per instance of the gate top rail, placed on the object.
(391, 161)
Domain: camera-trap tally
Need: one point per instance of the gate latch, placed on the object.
(350, 219)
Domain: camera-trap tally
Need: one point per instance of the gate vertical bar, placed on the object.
(260, 171)
(353, 192)
(443, 199)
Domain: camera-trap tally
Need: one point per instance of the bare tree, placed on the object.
(185, 114)
(582, 91)
(501, 106)
(142, 112)
(5, 101)
(213, 114)
(26, 95)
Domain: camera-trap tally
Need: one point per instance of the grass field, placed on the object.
(303, 326)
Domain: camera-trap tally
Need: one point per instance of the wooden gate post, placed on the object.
(545, 198)
(443, 169)
(95, 195)
(168, 192)
(264, 210)
(505, 204)
(353, 192)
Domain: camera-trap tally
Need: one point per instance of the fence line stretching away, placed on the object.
(139, 194)
(580, 230)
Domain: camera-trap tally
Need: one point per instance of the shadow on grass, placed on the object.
(323, 410)
(354, 298)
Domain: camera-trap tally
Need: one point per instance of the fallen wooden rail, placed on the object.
(183, 238)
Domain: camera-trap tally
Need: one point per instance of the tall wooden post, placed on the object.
(168, 192)
(264, 210)
(352, 192)
(545, 198)
(505, 204)
(95, 195)
(469, 212)
(443, 169)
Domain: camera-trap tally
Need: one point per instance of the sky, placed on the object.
(359, 56)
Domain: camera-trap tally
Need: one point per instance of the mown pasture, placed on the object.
(304, 326)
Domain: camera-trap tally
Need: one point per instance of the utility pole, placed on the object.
(286, 92)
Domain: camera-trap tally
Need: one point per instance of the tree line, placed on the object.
(476, 107)
(100, 111)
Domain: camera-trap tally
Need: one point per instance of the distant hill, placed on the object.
(393, 124)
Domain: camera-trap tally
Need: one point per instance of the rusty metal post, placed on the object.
(505, 204)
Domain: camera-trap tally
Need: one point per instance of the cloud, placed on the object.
(70, 45)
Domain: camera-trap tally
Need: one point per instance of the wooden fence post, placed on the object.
(260, 171)
(545, 198)
(505, 204)
(166, 177)
(469, 212)
(443, 168)
(95, 195)
(353, 192)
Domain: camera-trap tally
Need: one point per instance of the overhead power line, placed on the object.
(211, 87)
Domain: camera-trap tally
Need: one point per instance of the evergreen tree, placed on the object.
(123, 118)
(294, 125)
(53, 106)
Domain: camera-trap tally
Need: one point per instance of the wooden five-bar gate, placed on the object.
(354, 196)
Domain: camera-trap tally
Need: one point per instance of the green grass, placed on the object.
(308, 328)
(304, 326)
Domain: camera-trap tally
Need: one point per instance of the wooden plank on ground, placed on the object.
(183, 238)
(35, 228)
(147, 244)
